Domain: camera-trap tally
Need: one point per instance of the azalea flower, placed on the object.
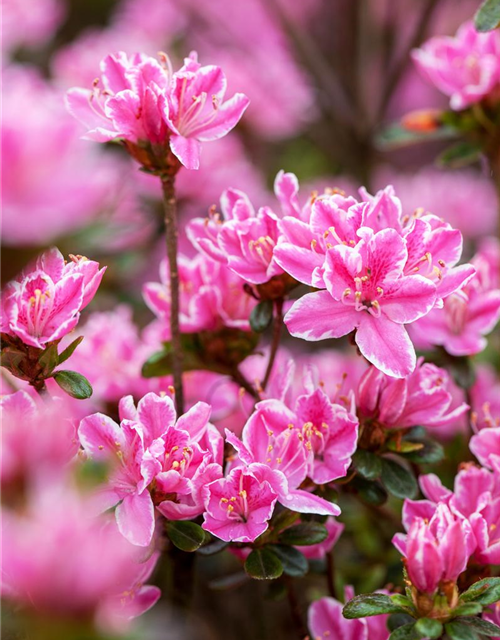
(43, 304)
(367, 291)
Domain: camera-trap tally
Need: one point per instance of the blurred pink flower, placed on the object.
(39, 20)
(60, 561)
(367, 291)
(43, 304)
(53, 184)
(212, 296)
(422, 398)
(239, 506)
(465, 67)
(485, 394)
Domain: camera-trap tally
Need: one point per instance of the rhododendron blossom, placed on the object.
(466, 67)
(367, 291)
(143, 100)
(43, 304)
(152, 455)
(422, 398)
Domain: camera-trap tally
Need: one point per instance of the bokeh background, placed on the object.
(325, 78)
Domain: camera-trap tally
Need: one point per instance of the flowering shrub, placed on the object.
(199, 441)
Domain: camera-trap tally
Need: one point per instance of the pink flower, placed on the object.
(465, 67)
(37, 438)
(485, 445)
(212, 296)
(40, 22)
(485, 395)
(239, 506)
(143, 101)
(43, 304)
(436, 550)
(315, 440)
(195, 111)
(468, 314)
(422, 398)
(151, 445)
(367, 291)
(245, 239)
(325, 621)
(63, 562)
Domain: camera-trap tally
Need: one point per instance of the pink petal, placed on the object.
(99, 436)
(317, 316)
(228, 116)
(135, 518)
(186, 150)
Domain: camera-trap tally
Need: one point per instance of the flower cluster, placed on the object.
(142, 101)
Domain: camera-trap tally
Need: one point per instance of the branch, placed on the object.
(277, 326)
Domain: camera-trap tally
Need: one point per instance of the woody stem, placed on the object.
(277, 326)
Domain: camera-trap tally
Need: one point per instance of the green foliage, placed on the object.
(304, 534)
(74, 384)
(261, 316)
(398, 480)
(367, 463)
(263, 564)
(371, 604)
(487, 17)
(294, 562)
(187, 536)
(68, 352)
(459, 155)
(485, 591)
(427, 628)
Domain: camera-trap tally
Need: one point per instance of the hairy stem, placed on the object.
(170, 206)
(277, 327)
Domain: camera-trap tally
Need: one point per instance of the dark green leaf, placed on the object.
(12, 359)
(459, 631)
(401, 601)
(371, 492)
(187, 536)
(468, 609)
(485, 591)
(49, 360)
(304, 534)
(431, 453)
(294, 562)
(157, 365)
(406, 632)
(398, 480)
(284, 519)
(371, 604)
(263, 564)
(459, 155)
(368, 464)
(261, 316)
(487, 16)
(231, 581)
(397, 137)
(463, 371)
(213, 547)
(398, 620)
(68, 352)
(483, 627)
(428, 628)
(74, 384)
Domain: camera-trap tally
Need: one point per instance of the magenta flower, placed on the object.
(239, 506)
(195, 111)
(422, 398)
(151, 445)
(485, 399)
(142, 101)
(367, 292)
(212, 296)
(316, 440)
(63, 562)
(436, 550)
(43, 304)
(465, 67)
(485, 445)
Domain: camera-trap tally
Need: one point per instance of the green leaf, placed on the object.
(397, 137)
(398, 480)
(74, 384)
(431, 453)
(213, 547)
(263, 564)
(428, 628)
(371, 492)
(406, 632)
(49, 360)
(303, 534)
(12, 359)
(185, 535)
(485, 591)
(68, 352)
(368, 464)
(294, 562)
(483, 627)
(231, 581)
(405, 446)
(283, 520)
(401, 601)
(468, 609)
(261, 316)
(487, 16)
(459, 155)
(399, 619)
(158, 364)
(459, 631)
(371, 604)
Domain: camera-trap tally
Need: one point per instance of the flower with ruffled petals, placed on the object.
(367, 291)
(43, 304)
(465, 67)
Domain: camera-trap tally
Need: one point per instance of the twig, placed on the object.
(277, 326)
(240, 379)
(170, 206)
(295, 609)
